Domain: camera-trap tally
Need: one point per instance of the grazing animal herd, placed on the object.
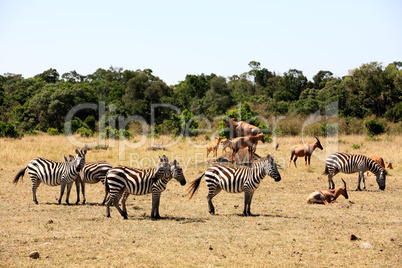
(121, 181)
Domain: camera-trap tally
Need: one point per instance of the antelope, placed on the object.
(249, 141)
(241, 128)
(226, 143)
(327, 196)
(305, 150)
(213, 146)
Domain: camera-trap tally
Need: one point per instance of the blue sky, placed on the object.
(175, 38)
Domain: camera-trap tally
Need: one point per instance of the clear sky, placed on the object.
(175, 38)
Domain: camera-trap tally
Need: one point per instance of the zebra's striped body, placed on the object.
(352, 163)
(53, 173)
(236, 180)
(92, 173)
(125, 180)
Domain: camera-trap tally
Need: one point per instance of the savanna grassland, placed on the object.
(285, 231)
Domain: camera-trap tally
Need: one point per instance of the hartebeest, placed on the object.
(305, 150)
(241, 128)
(242, 142)
(327, 196)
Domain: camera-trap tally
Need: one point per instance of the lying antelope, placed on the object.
(305, 150)
(213, 146)
(327, 196)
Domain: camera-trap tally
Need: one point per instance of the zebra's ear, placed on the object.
(85, 151)
(160, 159)
(175, 162)
(76, 151)
(65, 158)
(165, 159)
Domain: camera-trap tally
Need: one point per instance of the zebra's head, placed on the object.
(381, 176)
(163, 168)
(271, 169)
(177, 172)
(78, 161)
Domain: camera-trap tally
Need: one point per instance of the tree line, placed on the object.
(41, 103)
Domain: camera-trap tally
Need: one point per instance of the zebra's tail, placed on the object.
(19, 174)
(326, 172)
(194, 186)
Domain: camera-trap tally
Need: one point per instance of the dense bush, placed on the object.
(374, 126)
(8, 130)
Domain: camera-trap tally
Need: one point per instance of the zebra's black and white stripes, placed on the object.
(124, 181)
(236, 180)
(351, 163)
(53, 173)
(92, 173)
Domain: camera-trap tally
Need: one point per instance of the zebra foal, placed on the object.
(236, 180)
(352, 163)
(53, 173)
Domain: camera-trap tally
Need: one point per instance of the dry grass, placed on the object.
(286, 231)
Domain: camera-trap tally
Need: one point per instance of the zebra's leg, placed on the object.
(77, 187)
(211, 194)
(123, 201)
(247, 203)
(156, 196)
(35, 185)
(358, 183)
(331, 184)
(83, 192)
(63, 187)
(69, 186)
(364, 181)
(114, 200)
(104, 199)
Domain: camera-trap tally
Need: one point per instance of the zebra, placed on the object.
(124, 181)
(351, 163)
(91, 173)
(160, 185)
(53, 173)
(236, 180)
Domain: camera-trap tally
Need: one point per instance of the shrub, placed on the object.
(85, 132)
(374, 126)
(8, 130)
(114, 133)
(53, 131)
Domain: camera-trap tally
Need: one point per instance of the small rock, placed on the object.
(34, 255)
(210, 247)
(353, 237)
(49, 222)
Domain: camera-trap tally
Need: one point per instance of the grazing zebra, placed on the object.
(351, 163)
(92, 173)
(236, 180)
(125, 180)
(53, 173)
(160, 186)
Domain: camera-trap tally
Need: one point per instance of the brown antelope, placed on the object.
(226, 143)
(327, 196)
(249, 141)
(305, 150)
(213, 146)
(241, 128)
